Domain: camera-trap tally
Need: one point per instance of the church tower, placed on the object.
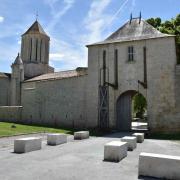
(17, 77)
(35, 51)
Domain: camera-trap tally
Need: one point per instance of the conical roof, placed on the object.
(35, 28)
(135, 29)
(18, 60)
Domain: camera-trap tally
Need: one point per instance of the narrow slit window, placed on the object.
(104, 67)
(116, 67)
(31, 49)
(130, 53)
(36, 49)
(40, 49)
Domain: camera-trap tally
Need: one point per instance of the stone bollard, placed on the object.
(56, 138)
(115, 151)
(81, 135)
(28, 144)
(131, 142)
(159, 166)
(139, 136)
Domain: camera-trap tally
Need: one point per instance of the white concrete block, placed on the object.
(28, 144)
(159, 166)
(81, 135)
(56, 138)
(115, 151)
(139, 136)
(131, 142)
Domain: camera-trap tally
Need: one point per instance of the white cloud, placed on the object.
(4, 52)
(96, 20)
(57, 10)
(74, 54)
(67, 54)
(1, 19)
(56, 56)
(120, 9)
(19, 42)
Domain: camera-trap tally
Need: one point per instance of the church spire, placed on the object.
(35, 28)
(18, 60)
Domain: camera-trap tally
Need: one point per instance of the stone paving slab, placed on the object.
(77, 160)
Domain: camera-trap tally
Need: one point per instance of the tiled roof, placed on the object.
(134, 30)
(36, 28)
(6, 75)
(60, 75)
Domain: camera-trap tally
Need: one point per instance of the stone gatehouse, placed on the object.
(135, 58)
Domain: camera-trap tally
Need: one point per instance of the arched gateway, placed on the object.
(124, 110)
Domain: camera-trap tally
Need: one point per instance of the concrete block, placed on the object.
(28, 144)
(139, 136)
(55, 139)
(159, 166)
(115, 151)
(81, 135)
(131, 142)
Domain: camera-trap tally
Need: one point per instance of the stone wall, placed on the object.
(55, 102)
(4, 91)
(92, 87)
(10, 113)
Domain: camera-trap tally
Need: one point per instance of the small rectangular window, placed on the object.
(130, 53)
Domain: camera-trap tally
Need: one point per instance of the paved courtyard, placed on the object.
(76, 160)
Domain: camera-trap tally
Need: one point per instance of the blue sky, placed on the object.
(71, 24)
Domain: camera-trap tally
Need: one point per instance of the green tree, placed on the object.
(155, 22)
(171, 26)
(139, 105)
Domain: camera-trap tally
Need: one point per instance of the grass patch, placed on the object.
(161, 136)
(11, 129)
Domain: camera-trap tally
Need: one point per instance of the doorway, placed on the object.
(131, 111)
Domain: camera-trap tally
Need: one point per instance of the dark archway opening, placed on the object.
(131, 111)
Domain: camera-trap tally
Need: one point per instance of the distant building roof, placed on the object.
(60, 75)
(133, 30)
(35, 28)
(5, 75)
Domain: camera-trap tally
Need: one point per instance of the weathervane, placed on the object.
(37, 15)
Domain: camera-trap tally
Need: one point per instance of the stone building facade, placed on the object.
(135, 59)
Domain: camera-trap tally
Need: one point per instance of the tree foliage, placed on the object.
(171, 26)
(140, 105)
